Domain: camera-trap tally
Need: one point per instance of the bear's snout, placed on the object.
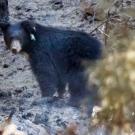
(16, 46)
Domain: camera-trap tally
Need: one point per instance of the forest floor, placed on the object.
(19, 89)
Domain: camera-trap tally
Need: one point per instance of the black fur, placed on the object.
(56, 56)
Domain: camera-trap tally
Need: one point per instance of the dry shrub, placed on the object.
(116, 80)
(99, 8)
(115, 75)
(120, 35)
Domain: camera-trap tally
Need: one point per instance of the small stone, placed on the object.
(41, 119)
(5, 65)
(57, 4)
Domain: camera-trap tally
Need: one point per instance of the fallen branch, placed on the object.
(105, 21)
(100, 25)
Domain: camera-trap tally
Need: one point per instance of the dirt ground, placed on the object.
(19, 89)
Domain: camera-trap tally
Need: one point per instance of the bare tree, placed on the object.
(4, 13)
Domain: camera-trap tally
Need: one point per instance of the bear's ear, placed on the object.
(30, 28)
(4, 26)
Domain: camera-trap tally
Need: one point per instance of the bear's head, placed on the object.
(18, 36)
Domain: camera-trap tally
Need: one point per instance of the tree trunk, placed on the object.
(4, 13)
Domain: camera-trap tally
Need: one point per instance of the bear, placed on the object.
(55, 55)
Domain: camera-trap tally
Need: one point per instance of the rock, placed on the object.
(41, 119)
(57, 4)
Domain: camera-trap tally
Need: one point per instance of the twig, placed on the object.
(11, 114)
(103, 33)
(102, 23)
(99, 25)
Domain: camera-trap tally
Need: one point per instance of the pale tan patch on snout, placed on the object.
(16, 46)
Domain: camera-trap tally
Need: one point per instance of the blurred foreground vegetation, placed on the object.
(115, 74)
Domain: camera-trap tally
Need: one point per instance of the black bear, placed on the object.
(55, 55)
